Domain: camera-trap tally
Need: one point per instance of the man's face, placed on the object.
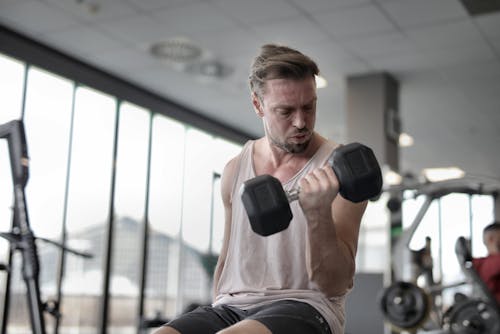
(288, 109)
(492, 241)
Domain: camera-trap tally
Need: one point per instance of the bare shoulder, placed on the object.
(227, 178)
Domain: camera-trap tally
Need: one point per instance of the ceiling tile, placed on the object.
(334, 60)
(379, 45)
(312, 6)
(463, 54)
(408, 13)
(122, 60)
(363, 20)
(256, 11)
(230, 43)
(400, 63)
(149, 5)
(194, 18)
(291, 31)
(138, 30)
(434, 58)
(81, 41)
(5, 4)
(35, 17)
(95, 11)
(448, 33)
(495, 42)
(489, 24)
(474, 72)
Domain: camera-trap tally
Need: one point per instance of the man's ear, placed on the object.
(257, 106)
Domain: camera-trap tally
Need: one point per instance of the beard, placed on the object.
(291, 147)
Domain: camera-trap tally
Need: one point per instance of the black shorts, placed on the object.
(281, 317)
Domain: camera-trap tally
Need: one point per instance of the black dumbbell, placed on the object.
(267, 203)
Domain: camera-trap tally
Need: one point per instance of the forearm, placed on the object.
(331, 261)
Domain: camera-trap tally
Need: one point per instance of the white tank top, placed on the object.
(260, 270)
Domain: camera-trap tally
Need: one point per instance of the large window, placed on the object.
(119, 182)
(88, 203)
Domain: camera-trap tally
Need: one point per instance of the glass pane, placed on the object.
(217, 218)
(11, 86)
(130, 194)
(165, 213)
(455, 216)
(223, 151)
(6, 193)
(47, 121)
(6, 201)
(197, 192)
(374, 237)
(428, 227)
(88, 208)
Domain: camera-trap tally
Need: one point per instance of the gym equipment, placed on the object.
(405, 305)
(471, 317)
(14, 133)
(267, 203)
(22, 237)
(479, 315)
(465, 316)
(464, 257)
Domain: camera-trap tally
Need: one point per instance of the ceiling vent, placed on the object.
(481, 7)
(177, 50)
(185, 56)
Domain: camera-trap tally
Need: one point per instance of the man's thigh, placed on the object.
(290, 317)
(280, 317)
(206, 320)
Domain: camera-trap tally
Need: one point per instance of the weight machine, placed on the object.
(412, 308)
(21, 237)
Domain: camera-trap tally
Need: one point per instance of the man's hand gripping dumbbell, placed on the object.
(267, 203)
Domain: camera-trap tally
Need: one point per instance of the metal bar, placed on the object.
(145, 235)
(108, 249)
(62, 256)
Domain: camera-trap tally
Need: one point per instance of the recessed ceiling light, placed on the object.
(320, 82)
(405, 140)
(392, 178)
(179, 50)
(441, 174)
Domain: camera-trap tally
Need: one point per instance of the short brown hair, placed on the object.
(279, 62)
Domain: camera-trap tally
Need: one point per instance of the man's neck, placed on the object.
(270, 159)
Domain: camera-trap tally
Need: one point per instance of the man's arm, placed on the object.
(227, 179)
(333, 230)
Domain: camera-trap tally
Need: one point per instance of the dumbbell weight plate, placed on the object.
(266, 204)
(358, 172)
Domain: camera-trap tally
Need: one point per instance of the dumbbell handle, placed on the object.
(293, 194)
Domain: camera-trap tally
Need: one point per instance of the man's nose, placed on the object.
(299, 120)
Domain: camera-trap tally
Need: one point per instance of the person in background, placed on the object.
(488, 267)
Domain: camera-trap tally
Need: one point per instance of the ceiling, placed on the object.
(447, 61)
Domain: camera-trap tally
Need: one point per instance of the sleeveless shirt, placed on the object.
(260, 270)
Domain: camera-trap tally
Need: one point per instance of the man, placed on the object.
(488, 267)
(294, 281)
